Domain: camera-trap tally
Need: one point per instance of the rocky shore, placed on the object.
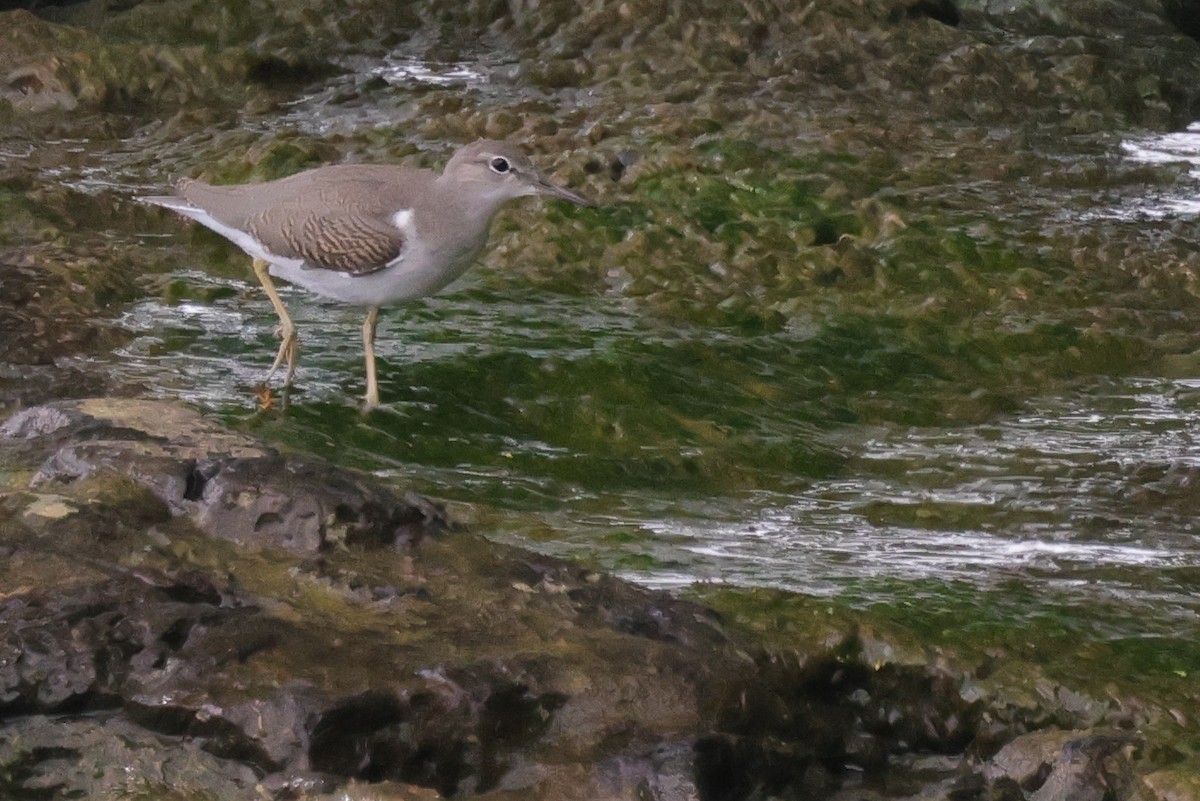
(190, 612)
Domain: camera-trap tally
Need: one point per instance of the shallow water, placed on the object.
(1171, 148)
(675, 452)
(1084, 498)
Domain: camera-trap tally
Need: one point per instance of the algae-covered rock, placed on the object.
(1179, 782)
(871, 195)
(1129, 64)
(51, 67)
(443, 662)
(231, 486)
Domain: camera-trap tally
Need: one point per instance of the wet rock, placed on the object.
(67, 650)
(1027, 759)
(1095, 767)
(1076, 765)
(107, 757)
(230, 486)
(443, 662)
(452, 664)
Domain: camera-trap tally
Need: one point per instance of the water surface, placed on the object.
(813, 456)
(514, 407)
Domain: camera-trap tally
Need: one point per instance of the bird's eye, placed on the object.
(500, 165)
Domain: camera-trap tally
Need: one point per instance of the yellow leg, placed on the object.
(289, 348)
(368, 332)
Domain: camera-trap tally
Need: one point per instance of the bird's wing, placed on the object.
(345, 241)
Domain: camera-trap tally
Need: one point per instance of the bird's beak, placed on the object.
(546, 188)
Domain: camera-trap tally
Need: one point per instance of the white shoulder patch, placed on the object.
(403, 220)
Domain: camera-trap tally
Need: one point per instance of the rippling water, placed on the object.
(1179, 146)
(1090, 496)
(674, 453)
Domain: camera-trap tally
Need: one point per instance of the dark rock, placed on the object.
(103, 756)
(275, 71)
(451, 663)
(79, 647)
(231, 486)
(1095, 767)
(1185, 15)
(1067, 765)
(944, 11)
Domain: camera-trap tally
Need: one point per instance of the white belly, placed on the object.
(418, 272)
(408, 279)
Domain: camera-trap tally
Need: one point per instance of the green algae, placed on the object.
(1048, 664)
(770, 249)
(799, 272)
(732, 379)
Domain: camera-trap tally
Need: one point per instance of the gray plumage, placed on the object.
(334, 218)
(364, 234)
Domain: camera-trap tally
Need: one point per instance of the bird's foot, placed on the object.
(289, 351)
(265, 398)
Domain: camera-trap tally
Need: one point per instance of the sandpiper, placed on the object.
(365, 234)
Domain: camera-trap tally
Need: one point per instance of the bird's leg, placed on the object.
(289, 348)
(368, 332)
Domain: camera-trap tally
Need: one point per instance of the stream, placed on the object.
(674, 452)
(1083, 498)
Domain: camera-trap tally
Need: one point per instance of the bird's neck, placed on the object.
(461, 220)
(466, 203)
